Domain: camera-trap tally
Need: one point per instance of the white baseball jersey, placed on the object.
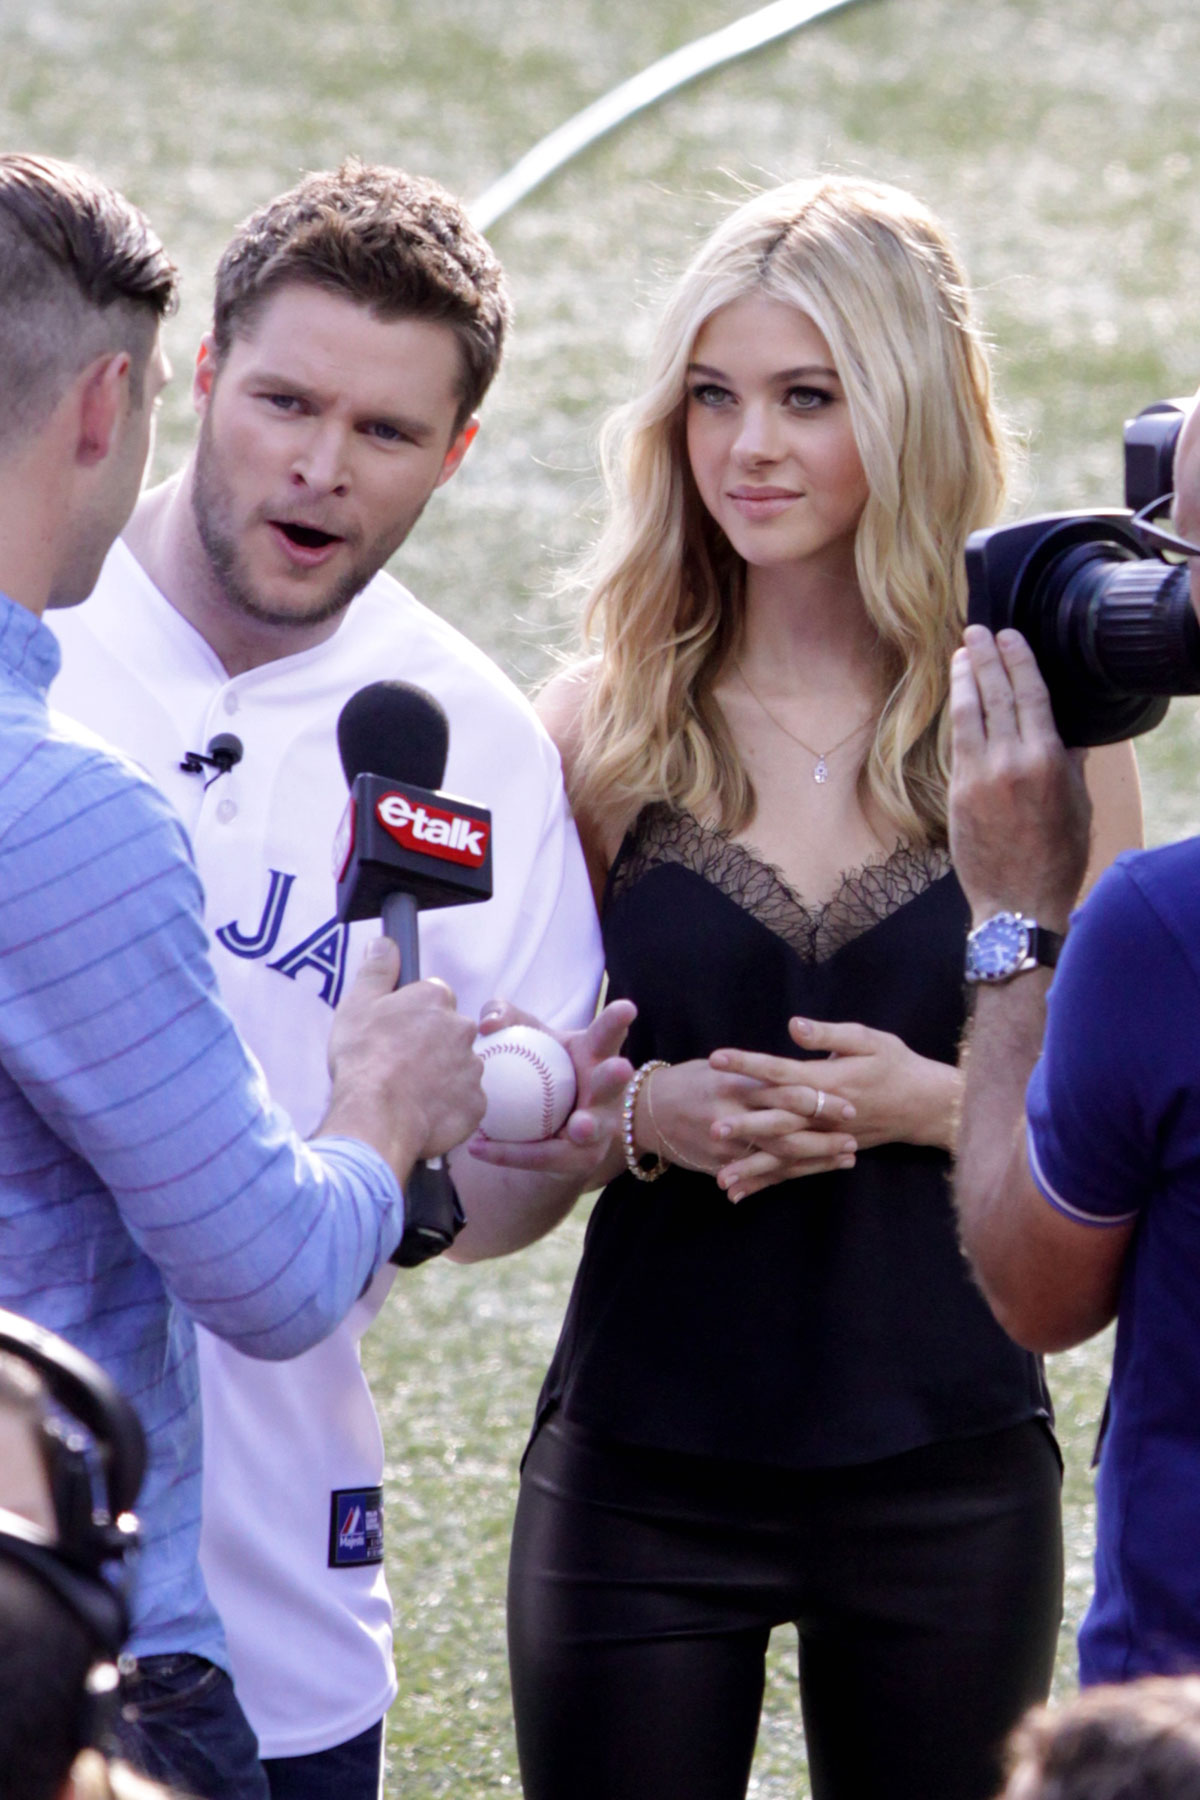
(293, 1459)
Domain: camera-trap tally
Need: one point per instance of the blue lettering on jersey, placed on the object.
(324, 950)
(265, 935)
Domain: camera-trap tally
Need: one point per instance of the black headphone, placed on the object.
(94, 1476)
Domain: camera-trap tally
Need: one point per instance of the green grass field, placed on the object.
(1062, 146)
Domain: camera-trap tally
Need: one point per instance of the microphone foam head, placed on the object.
(396, 730)
(226, 751)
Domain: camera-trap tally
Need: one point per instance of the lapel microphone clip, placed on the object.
(224, 753)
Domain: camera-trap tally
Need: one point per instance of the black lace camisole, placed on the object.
(828, 1320)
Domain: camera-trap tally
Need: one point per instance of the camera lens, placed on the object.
(1111, 625)
(1113, 630)
(1124, 621)
(1132, 622)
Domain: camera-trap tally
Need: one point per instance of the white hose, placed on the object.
(612, 109)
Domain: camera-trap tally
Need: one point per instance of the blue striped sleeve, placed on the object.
(112, 1030)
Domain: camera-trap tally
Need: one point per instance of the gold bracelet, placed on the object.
(628, 1106)
(664, 1141)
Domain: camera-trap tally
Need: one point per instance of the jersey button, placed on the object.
(227, 810)
(231, 704)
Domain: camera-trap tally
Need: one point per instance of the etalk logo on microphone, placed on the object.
(433, 831)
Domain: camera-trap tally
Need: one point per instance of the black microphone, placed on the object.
(224, 753)
(394, 729)
(403, 846)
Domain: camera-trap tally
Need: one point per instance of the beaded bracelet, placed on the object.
(628, 1106)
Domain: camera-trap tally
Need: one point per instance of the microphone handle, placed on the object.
(400, 924)
(433, 1214)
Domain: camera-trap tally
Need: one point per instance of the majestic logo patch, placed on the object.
(434, 830)
(355, 1527)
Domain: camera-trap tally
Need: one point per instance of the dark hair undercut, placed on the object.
(81, 273)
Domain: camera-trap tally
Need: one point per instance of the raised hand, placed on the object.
(1019, 810)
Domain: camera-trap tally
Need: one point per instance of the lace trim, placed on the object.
(864, 897)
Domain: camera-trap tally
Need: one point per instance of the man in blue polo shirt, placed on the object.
(1092, 1210)
(146, 1183)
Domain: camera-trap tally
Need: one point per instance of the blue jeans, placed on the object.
(180, 1722)
(350, 1771)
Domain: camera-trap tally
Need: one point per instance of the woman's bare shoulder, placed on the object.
(560, 706)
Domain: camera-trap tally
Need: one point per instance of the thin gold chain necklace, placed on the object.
(821, 769)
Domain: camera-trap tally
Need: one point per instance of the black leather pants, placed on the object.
(926, 1590)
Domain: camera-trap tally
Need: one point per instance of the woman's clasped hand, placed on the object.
(802, 1118)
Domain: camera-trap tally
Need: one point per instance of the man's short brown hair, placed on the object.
(81, 274)
(396, 243)
(1140, 1741)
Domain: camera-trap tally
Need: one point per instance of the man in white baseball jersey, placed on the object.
(358, 322)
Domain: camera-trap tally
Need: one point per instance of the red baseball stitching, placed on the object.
(530, 1056)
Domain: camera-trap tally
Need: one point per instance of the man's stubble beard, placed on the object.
(211, 510)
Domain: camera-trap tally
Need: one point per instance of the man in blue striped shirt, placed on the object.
(146, 1181)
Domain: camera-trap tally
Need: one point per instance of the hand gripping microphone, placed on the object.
(404, 846)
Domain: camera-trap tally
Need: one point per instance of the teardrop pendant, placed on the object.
(821, 771)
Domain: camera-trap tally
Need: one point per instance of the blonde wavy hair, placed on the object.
(872, 268)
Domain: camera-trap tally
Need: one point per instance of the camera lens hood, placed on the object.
(1113, 629)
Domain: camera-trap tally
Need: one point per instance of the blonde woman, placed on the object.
(796, 1407)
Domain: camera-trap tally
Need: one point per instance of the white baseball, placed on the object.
(528, 1083)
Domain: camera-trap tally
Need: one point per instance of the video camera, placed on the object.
(1109, 620)
(93, 1449)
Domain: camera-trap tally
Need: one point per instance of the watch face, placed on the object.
(998, 948)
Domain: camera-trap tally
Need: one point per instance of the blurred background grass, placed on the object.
(1060, 144)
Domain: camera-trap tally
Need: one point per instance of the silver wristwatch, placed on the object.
(1009, 944)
